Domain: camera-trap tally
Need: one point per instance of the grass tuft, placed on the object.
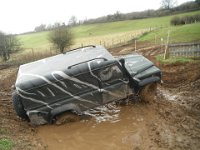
(174, 60)
(6, 144)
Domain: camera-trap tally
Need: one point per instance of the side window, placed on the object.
(110, 74)
(82, 73)
(88, 78)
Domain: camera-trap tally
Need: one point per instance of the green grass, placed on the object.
(123, 26)
(184, 33)
(6, 144)
(34, 40)
(115, 30)
(173, 60)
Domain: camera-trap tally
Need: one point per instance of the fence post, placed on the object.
(166, 47)
(112, 42)
(135, 44)
(32, 51)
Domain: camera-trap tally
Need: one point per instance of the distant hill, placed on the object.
(113, 32)
(185, 7)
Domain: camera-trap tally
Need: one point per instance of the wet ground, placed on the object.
(123, 128)
(171, 121)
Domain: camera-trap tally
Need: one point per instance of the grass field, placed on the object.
(184, 33)
(34, 40)
(116, 32)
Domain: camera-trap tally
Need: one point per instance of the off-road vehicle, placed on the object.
(79, 80)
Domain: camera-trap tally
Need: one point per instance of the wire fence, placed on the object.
(185, 50)
(113, 40)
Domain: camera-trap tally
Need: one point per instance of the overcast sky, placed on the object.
(17, 16)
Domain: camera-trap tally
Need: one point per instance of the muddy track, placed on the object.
(175, 76)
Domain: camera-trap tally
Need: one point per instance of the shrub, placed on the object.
(175, 21)
(185, 20)
(197, 17)
(61, 37)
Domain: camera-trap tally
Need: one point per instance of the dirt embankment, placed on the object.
(169, 122)
(11, 127)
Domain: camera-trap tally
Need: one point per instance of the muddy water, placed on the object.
(110, 127)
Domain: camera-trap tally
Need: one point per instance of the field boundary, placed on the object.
(184, 50)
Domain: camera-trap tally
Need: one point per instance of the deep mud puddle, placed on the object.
(110, 127)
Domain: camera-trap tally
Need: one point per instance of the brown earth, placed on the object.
(171, 121)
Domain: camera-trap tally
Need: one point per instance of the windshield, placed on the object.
(136, 63)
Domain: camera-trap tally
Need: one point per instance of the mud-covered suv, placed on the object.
(79, 80)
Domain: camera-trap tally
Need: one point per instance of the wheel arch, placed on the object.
(64, 108)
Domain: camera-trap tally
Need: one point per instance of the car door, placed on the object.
(84, 86)
(114, 84)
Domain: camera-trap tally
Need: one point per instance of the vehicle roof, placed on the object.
(63, 61)
(46, 66)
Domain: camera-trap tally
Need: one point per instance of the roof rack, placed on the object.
(87, 61)
(81, 47)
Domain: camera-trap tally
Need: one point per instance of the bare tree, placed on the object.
(40, 28)
(168, 4)
(8, 44)
(117, 16)
(72, 21)
(61, 37)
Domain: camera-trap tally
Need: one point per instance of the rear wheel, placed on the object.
(66, 117)
(18, 106)
(148, 92)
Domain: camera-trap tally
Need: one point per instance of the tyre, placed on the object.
(19, 108)
(148, 92)
(66, 117)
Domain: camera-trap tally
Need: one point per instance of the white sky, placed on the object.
(17, 16)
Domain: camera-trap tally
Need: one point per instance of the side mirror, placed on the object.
(122, 61)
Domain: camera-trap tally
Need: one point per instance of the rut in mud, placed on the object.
(171, 121)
